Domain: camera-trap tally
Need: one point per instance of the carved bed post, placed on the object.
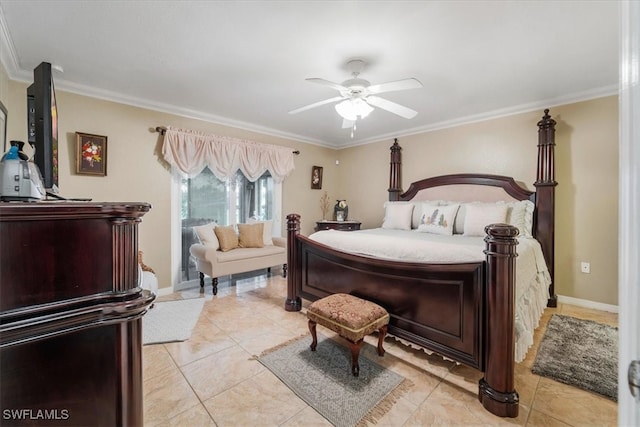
(293, 301)
(545, 196)
(395, 178)
(497, 389)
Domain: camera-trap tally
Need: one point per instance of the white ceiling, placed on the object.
(245, 63)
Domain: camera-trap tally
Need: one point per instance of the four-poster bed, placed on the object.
(463, 311)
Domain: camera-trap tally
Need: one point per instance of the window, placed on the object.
(206, 199)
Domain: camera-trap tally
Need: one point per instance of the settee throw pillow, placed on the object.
(227, 238)
(266, 231)
(250, 235)
(207, 235)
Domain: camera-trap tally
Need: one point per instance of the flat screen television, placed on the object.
(42, 120)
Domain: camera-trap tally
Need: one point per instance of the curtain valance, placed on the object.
(192, 151)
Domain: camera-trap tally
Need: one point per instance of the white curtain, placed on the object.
(190, 152)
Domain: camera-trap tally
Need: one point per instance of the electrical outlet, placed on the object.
(585, 267)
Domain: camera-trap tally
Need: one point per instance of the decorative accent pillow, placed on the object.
(250, 235)
(267, 234)
(227, 237)
(397, 215)
(417, 210)
(438, 219)
(479, 215)
(207, 235)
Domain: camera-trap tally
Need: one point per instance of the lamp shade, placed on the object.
(352, 109)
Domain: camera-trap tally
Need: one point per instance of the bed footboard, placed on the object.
(462, 311)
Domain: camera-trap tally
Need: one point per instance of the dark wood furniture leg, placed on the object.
(382, 332)
(314, 336)
(293, 301)
(355, 348)
(496, 390)
(214, 283)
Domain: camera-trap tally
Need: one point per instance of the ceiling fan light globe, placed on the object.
(352, 109)
(362, 108)
(346, 110)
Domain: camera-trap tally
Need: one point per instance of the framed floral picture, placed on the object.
(91, 154)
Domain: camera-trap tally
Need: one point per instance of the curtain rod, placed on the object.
(162, 130)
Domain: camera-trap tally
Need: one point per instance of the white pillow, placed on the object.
(397, 215)
(438, 219)
(479, 215)
(417, 213)
(267, 234)
(522, 217)
(207, 235)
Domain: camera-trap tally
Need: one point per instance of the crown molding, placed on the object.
(495, 114)
(8, 54)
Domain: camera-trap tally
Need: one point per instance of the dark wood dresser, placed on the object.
(338, 225)
(71, 314)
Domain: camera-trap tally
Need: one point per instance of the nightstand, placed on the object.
(338, 225)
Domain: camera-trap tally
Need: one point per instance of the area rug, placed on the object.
(171, 320)
(581, 353)
(323, 379)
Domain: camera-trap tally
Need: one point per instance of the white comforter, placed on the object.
(532, 275)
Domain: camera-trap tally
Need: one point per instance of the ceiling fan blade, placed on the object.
(394, 86)
(316, 104)
(324, 82)
(391, 107)
(347, 124)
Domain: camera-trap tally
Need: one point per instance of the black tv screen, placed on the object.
(42, 118)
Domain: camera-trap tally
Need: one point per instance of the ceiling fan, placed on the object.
(358, 96)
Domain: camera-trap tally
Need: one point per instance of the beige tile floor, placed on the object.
(211, 379)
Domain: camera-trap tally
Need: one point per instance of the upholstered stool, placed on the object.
(352, 318)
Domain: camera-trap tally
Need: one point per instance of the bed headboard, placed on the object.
(495, 187)
(468, 187)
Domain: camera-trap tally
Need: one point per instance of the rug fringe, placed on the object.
(385, 405)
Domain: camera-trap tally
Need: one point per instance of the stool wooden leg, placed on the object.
(355, 354)
(314, 337)
(382, 332)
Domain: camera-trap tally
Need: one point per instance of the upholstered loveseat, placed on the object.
(237, 249)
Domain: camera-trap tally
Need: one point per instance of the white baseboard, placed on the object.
(588, 304)
(189, 284)
(164, 291)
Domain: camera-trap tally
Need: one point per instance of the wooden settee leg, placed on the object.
(214, 283)
(201, 279)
